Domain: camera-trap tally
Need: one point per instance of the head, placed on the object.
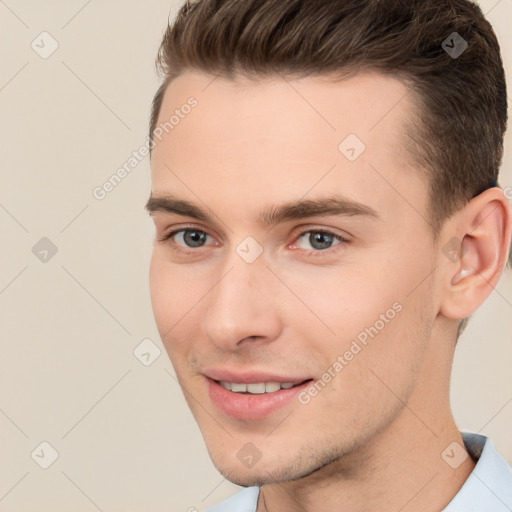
(328, 213)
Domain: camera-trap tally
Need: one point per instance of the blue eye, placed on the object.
(319, 240)
(191, 238)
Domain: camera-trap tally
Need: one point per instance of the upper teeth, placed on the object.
(257, 388)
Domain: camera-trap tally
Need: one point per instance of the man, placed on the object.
(328, 216)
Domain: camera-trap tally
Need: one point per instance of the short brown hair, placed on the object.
(461, 115)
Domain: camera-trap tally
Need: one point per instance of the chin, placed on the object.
(269, 471)
(262, 476)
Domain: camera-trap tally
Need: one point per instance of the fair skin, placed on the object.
(372, 438)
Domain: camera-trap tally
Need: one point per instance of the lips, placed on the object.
(252, 395)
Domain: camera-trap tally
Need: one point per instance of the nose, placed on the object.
(243, 306)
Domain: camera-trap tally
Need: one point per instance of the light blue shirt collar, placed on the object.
(488, 488)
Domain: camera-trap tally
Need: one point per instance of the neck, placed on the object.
(400, 469)
(406, 473)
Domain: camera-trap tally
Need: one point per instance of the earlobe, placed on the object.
(484, 234)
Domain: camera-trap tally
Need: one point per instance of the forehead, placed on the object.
(277, 139)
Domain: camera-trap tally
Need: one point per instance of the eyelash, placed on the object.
(312, 252)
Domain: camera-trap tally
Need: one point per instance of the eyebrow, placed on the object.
(294, 210)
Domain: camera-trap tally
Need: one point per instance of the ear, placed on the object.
(474, 251)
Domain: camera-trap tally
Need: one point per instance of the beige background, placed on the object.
(124, 436)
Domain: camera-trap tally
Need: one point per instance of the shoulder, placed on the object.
(244, 501)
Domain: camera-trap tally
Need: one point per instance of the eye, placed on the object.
(313, 242)
(187, 237)
(318, 240)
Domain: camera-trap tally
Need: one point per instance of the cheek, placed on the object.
(173, 291)
(375, 311)
(339, 303)
(159, 289)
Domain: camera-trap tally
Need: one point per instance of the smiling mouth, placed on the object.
(259, 388)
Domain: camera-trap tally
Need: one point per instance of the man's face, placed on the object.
(248, 298)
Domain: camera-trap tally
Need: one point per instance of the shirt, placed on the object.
(487, 489)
